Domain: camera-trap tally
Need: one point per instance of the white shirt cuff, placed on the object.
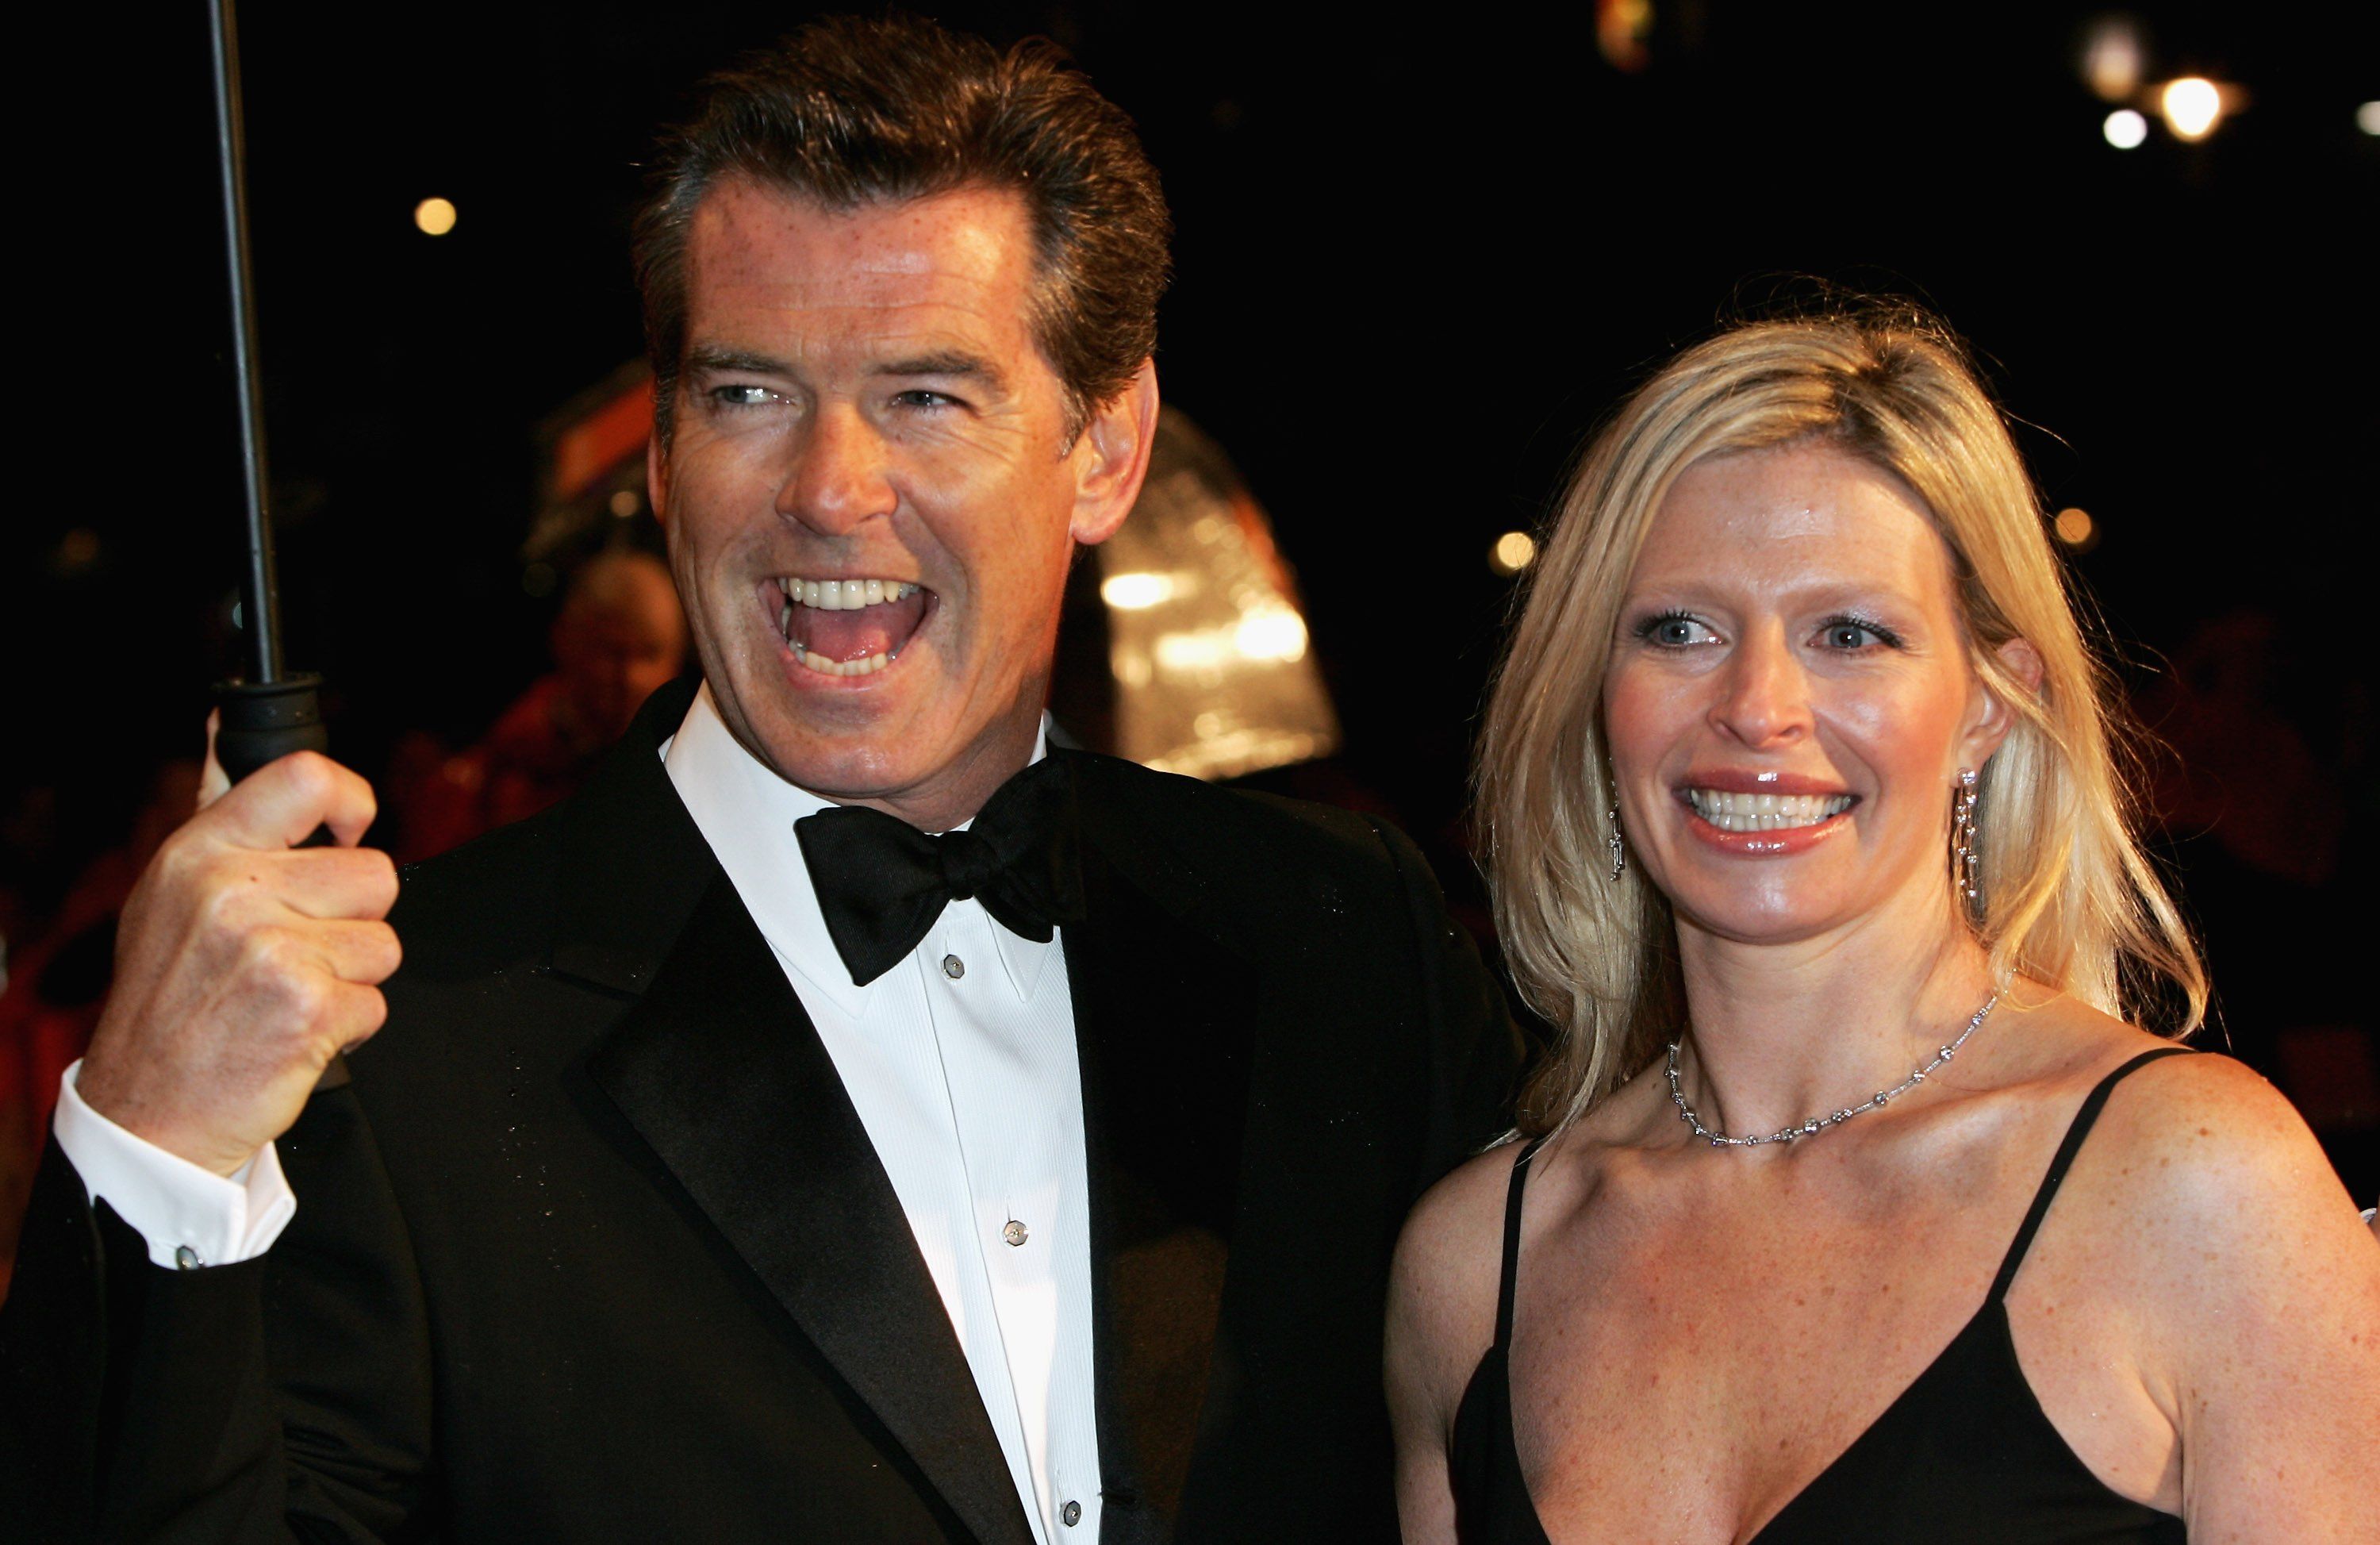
(189, 1216)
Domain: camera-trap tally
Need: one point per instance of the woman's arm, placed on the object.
(2261, 1311)
(1442, 1318)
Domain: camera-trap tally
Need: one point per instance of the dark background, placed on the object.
(1417, 260)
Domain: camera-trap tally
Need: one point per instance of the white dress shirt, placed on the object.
(961, 1063)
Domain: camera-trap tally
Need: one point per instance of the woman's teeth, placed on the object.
(1764, 812)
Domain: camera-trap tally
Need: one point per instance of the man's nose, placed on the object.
(1764, 699)
(840, 477)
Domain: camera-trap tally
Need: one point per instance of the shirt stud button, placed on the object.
(1071, 1512)
(186, 1259)
(954, 967)
(1016, 1232)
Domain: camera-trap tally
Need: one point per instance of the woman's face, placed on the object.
(1789, 700)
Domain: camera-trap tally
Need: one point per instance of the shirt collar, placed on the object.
(746, 813)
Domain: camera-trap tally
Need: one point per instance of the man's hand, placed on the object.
(243, 964)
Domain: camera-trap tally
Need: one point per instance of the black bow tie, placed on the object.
(881, 883)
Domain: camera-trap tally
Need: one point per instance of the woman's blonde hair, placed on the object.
(2067, 897)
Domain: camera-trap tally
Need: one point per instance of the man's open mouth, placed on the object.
(849, 626)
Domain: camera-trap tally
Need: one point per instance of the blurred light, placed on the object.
(434, 216)
(2113, 58)
(2125, 130)
(1190, 654)
(2367, 117)
(625, 503)
(1513, 552)
(2075, 527)
(2191, 105)
(1271, 633)
(1623, 33)
(78, 551)
(1136, 593)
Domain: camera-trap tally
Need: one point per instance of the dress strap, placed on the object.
(2092, 1103)
(1512, 1243)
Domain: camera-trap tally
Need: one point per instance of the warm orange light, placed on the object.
(2191, 105)
(1513, 552)
(2075, 527)
(434, 216)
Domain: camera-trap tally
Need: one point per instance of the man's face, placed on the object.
(862, 405)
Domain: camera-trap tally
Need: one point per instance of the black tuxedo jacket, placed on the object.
(592, 1245)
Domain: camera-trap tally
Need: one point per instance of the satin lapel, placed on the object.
(1162, 1021)
(720, 1070)
(717, 1067)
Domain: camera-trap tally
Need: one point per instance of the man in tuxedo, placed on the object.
(847, 1117)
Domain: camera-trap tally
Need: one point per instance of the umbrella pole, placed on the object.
(267, 712)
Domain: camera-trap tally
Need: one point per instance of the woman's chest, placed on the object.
(1684, 1372)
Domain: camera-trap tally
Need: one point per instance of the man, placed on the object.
(737, 1161)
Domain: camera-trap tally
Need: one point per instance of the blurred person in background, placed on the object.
(1801, 781)
(619, 637)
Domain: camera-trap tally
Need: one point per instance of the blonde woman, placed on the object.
(1852, 1203)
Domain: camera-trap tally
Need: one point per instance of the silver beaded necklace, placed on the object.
(1817, 1124)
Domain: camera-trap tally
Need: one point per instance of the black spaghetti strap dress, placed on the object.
(1964, 1454)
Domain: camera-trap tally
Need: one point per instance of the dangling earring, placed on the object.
(1966, 856)
(1618, 849)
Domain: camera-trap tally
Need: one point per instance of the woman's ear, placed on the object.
(1994, 717)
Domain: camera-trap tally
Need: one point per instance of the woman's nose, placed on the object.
(1764, 697)
(840, 476)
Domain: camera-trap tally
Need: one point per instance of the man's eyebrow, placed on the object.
(948, 362)
(713, 359)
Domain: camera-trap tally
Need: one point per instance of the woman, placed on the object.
(1808, 836)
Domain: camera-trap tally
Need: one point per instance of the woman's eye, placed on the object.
(1673, 630)
(1849, 633)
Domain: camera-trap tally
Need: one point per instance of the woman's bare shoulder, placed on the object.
(1442, 1286)
(2200, 1149)
(1451, 1248)
(2250, 1285)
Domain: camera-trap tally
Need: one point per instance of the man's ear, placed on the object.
(657, 477)
(1994, 718)
(1113, 455)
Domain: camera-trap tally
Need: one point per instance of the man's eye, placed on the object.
(742, 395)
(918, 397)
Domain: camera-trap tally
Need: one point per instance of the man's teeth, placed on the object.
(824, 667)
(844, 595)
(1764, 812)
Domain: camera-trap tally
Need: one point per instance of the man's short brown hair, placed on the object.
(847, 111)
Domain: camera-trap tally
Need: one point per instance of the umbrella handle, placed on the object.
(265, 721)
